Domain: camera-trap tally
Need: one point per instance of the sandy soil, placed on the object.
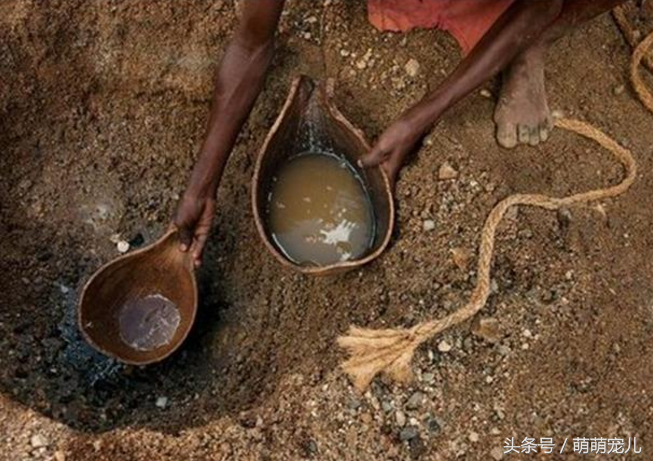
(102, 108)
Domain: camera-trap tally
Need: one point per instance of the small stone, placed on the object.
(461, 257)
(496, 453)
(38, 441)
(444, 346)
(486, 93)
(494, 286)
(344, 53)
(432, 424)
(59, 456)
(512, 213)
(311, 447)
(499, 413)
(412, 67)
(619, 89)
(446, 172)
(504, 349)
(527, 333)
(557, 114)
(488, 329)
(361, 64)
(548, 296)
(428, 378)
(428, 225)
(565, 218)
(408, 433)
(311, 19)
(386, 406)
(601, 210)
(468, 343)
(161, 402)
(353, 403)
(97, 445)
(399, 83)
(122, 246)
(416, 447)
(400, 417)
(415, 401)
(473, 437)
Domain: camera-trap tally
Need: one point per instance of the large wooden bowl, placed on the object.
(160, 268)
(309, 119)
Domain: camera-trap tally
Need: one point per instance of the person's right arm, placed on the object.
(239, 81)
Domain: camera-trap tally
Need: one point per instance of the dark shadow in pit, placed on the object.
(47, 366)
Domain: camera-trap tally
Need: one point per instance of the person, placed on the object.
(509, 36)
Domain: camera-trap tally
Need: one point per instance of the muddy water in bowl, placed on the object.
(319, 211)
(309, 123)
(149, 322)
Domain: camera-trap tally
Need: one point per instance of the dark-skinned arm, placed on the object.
(239, 80)
(515, 30)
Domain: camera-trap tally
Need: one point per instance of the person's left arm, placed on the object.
(515, 30)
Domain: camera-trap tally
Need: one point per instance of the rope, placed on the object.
(631, 35)
(390, 351)
(636, 79)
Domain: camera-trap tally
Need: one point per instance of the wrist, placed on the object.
(201, 186)
(415, 122)
(426, 113)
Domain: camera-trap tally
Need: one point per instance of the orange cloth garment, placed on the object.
(466, 20)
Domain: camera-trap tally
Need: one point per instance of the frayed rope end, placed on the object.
(372, 352)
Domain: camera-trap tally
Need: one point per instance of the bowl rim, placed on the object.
(328, 88)
(167, 235)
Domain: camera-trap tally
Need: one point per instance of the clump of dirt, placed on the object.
(102, 110)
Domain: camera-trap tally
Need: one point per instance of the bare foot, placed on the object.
(522, 114)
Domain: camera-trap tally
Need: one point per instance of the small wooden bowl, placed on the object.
(160, 268)
(309, 119)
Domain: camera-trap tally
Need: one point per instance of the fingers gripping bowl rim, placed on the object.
(309, 109)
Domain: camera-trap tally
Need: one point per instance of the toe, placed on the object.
(523, 134)
(534, 136)
(507, 135)
(544, 132)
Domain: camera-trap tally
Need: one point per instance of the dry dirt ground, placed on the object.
(102, 108)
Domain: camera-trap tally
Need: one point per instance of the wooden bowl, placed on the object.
(309, 118)
(158, 269)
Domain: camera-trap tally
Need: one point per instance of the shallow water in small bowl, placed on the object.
(319, 211)
(148, 322)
